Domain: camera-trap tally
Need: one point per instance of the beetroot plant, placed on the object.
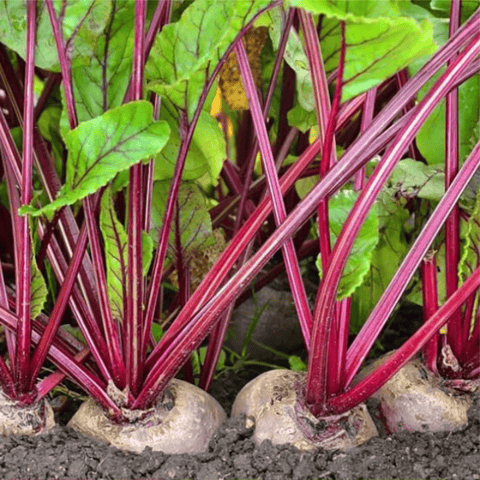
(126, 184)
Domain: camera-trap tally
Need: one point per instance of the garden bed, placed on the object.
(232, 454)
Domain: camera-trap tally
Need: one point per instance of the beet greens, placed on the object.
(125, 179)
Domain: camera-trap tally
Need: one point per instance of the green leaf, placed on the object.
(204, 157)
(386, 257)
(75, 332)
(359, 260)
(380, 41)
(470, 237)
(297, 364)
(147, 252)
(82, 21)
(195, 221)
(302, 119)
(415, 179)
(109, 70)
(48, 124)
(157, 331)
(297, 60)
(38, 290)
(186, 52)
(116, 254)
(431, 137)
(38, 285)
(102, 147)
(468, 7)
(470, 244)
(198, 359)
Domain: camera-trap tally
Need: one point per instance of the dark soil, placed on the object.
(232, 453)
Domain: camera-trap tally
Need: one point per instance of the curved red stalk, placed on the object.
(455, 328)
(370, 384)
(77, 372)
(332, 371)
(187, 129)
(316, 386)
(279, 210)
(22, 362)
(430, 306)
(365, 339)
(133, 322)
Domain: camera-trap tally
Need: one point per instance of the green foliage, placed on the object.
(48, 124)
(205, 155)
(470, 236)
(104, 146)
(195, 221)
(359, 260)
(381, 39)
(198, 358)
(109, 69)
(82, 22)
(38, 286)
(186, 52)
(386, 257)
(415, 179)
(116, 254)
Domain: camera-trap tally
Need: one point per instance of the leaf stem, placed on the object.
(452, 225)
(133, 323)
(22, 372)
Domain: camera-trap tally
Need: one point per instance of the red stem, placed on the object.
(279, 210)
(367, 116)
(430, 306)
(133, 322)
(365, 339)
(370, 384)
(22, 372)
(452, 225)
(109, 328)
(316, 390)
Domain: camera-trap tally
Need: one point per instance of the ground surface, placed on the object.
(233, 455)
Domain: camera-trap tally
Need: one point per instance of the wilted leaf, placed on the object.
(230, 80)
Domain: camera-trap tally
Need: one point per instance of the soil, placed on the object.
(232, 454)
